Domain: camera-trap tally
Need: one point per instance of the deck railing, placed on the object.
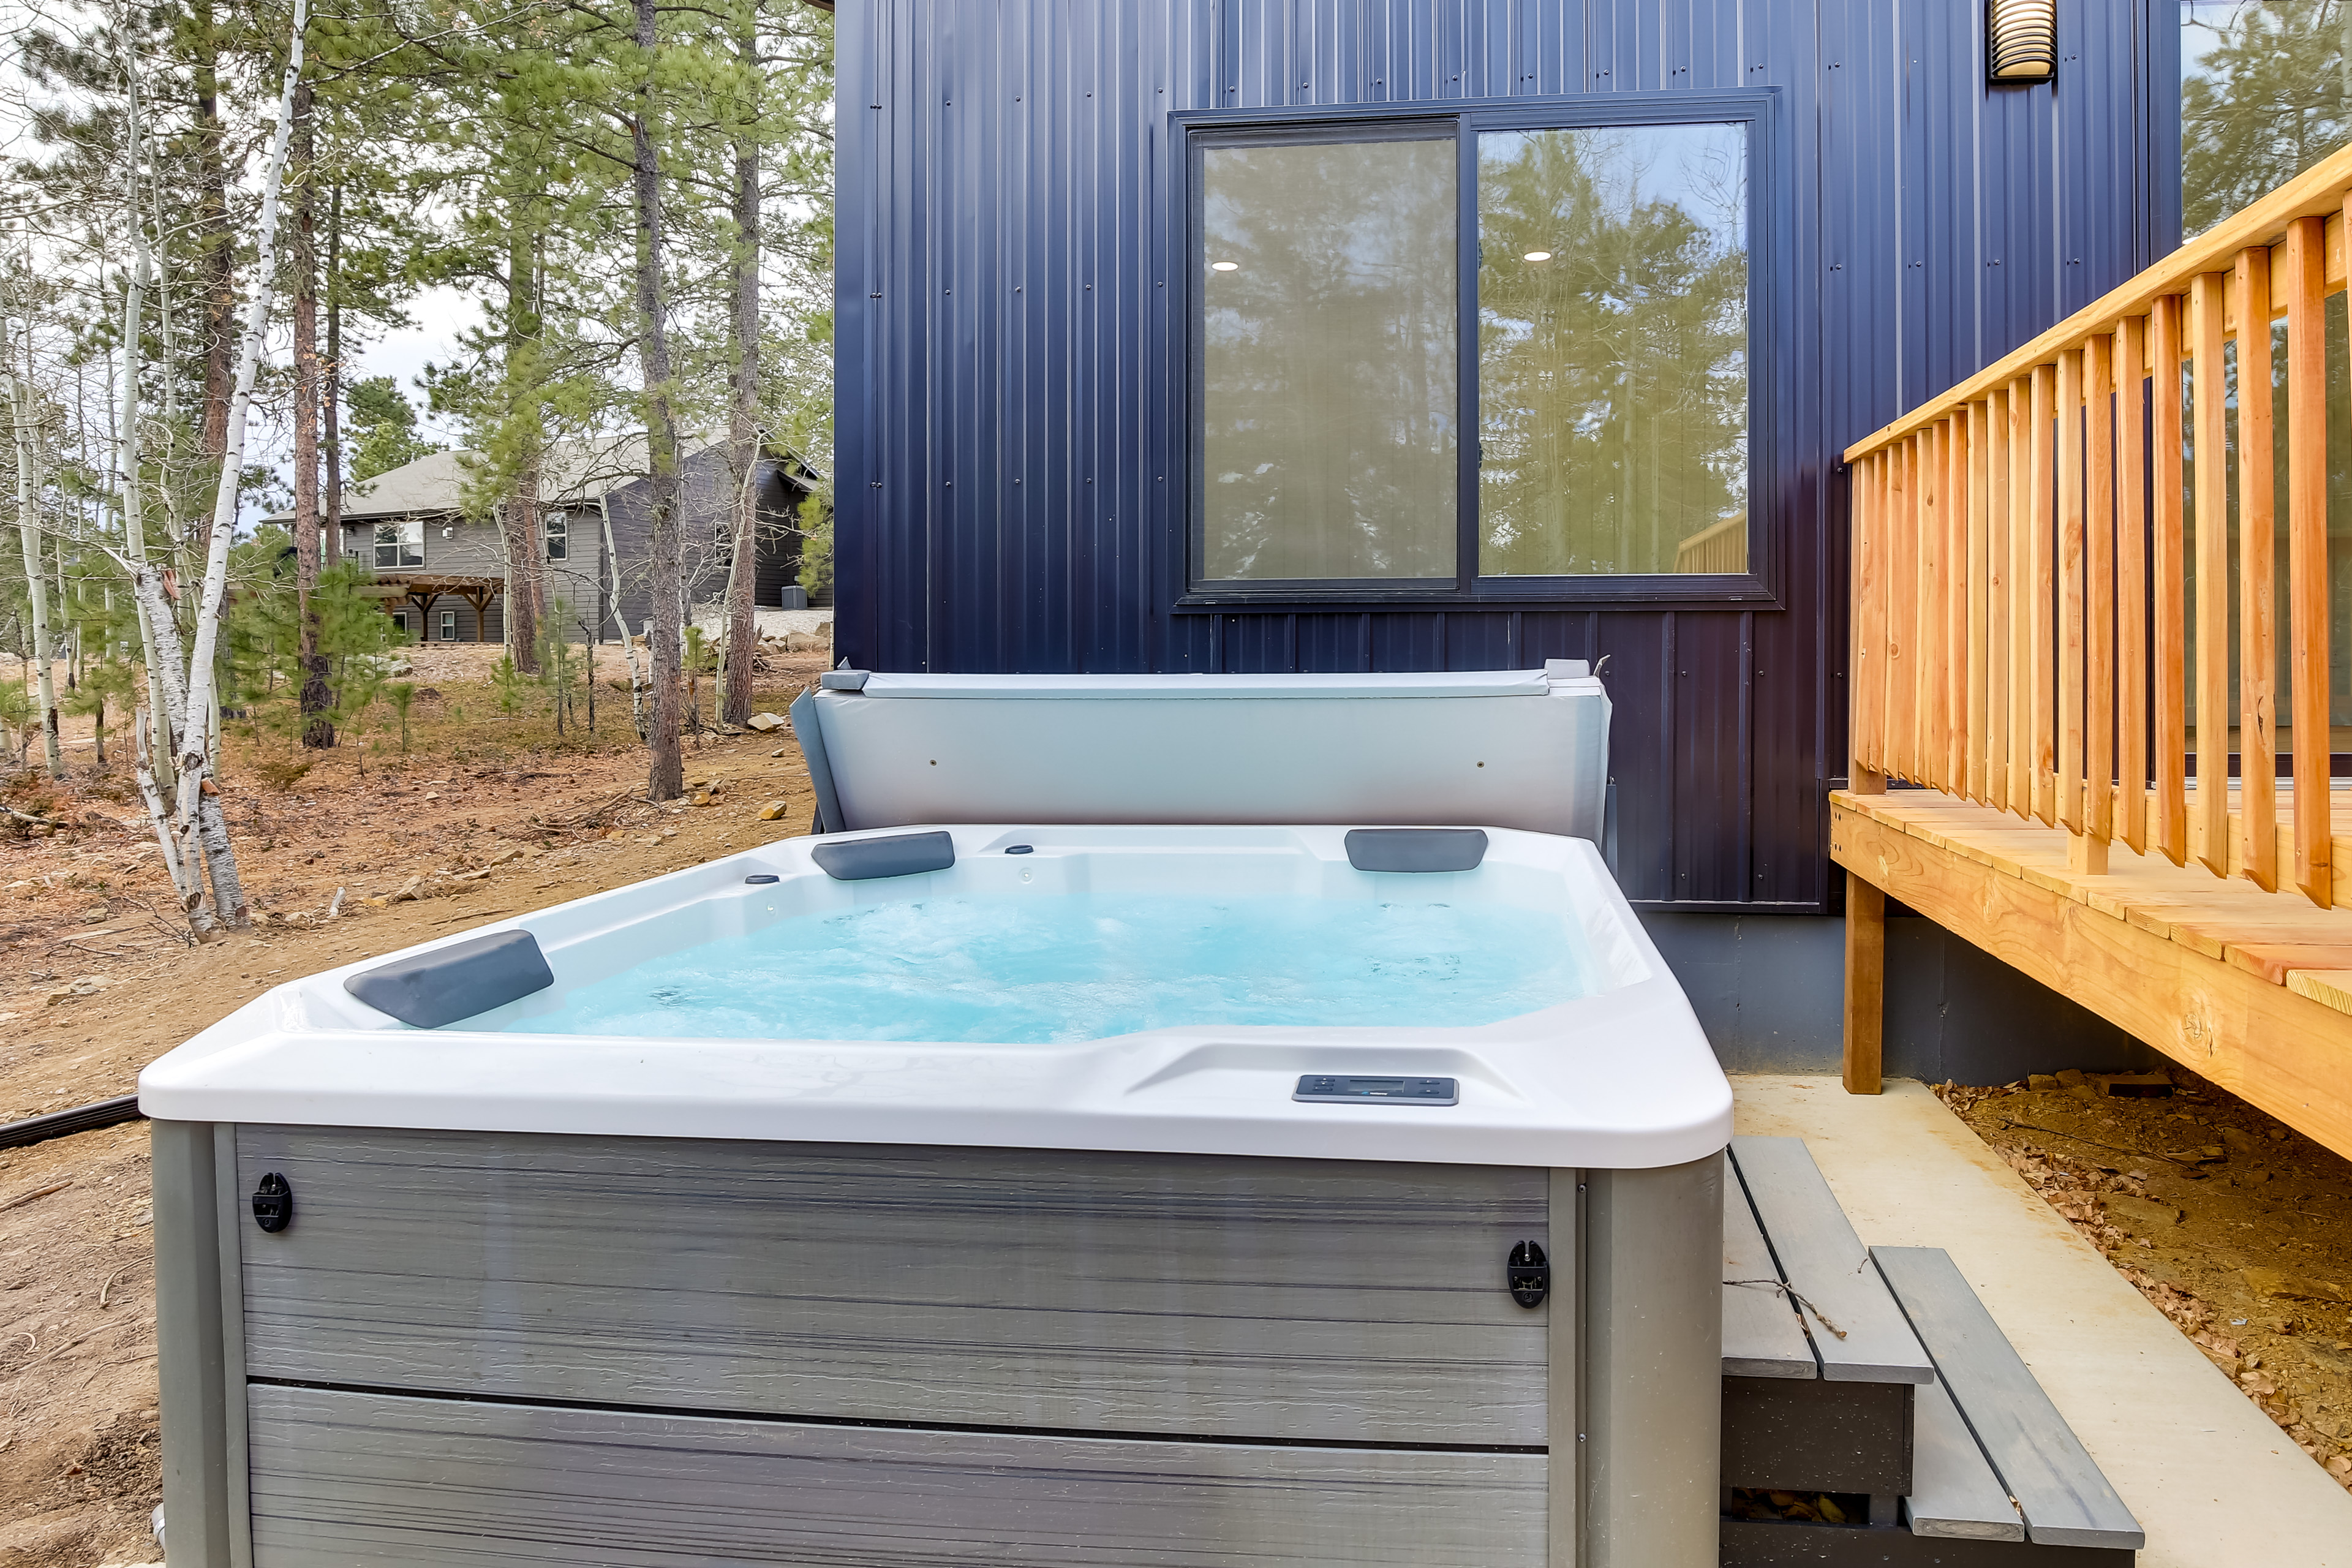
(2027, 549)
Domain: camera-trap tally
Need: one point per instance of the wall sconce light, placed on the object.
(2021, 41)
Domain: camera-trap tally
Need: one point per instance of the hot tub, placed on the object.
(1223, 1191)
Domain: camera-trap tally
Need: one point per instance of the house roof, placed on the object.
(570, 473)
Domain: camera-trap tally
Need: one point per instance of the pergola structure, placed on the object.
(421, 588)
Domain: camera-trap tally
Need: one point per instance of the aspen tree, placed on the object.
(192, 827)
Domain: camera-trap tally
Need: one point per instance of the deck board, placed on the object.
(2252, 989)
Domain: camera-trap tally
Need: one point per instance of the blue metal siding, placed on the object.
(1009, 423)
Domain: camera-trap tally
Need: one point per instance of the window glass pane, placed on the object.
(1329, 375)
(2263, 96)
(1613, 350)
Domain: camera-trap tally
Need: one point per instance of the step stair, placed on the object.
(1877, 1377)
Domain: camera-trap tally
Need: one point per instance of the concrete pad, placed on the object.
(2211, 1481)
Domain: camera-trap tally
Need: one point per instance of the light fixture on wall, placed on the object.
(1536, 256)
(2021, 41)
(1224, 266)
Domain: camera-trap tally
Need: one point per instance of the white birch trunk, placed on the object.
(184, 883)
(637, 682)
(37, 587)
(197, 815)
(134, 532)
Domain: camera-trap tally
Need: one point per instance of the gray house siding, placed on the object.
(582, 580)
(707, 487)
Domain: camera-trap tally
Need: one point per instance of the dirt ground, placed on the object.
(2239, 1228)
(485, 814)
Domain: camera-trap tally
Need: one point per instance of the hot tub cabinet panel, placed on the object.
(1209, 1295)
(611, 1350)
(359, 1478)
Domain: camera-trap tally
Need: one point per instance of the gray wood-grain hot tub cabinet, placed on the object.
(366, 1478)
(1214, 1296)
(1654, 1294)
(878, 1357)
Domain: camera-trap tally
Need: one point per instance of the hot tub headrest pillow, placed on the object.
(1416, 848)
(900, 854)
(456, 982)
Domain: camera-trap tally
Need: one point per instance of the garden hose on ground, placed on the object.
(80, 1119)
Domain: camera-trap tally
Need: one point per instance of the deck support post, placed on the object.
(1865, 984)
(2087, 854)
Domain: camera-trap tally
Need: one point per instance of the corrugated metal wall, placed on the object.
(1007, 429)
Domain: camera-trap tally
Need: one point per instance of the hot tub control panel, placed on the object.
(1345, 1089)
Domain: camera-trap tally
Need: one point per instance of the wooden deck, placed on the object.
(2252, 989)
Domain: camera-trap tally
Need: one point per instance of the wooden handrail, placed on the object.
(2318, 192)
(2024, 557)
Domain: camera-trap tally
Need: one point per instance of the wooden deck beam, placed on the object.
(2005, 888)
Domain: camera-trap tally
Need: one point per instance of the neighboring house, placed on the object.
(443, 575)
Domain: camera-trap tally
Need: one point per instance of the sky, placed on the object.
(440, 313)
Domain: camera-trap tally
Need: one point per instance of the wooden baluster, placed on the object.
(1979, 586)
(2099, 588)
(2257, 567)
(2306, 524)
(2207, 330)
(2043, 642)
(2069, 439)
(2170, 676)
(1928, 671)
(1868, 493)
(1957, 575)
(1902, 575)
(2131, 580)
(1884, 520)
(1997, 599)
(2022, 627)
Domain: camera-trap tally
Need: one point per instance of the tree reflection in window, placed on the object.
(1330, 378)
(2264, 94)
(1613, 368)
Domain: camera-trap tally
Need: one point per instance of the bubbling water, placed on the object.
(1069, 967)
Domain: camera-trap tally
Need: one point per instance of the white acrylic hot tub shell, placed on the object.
(1620, 1079)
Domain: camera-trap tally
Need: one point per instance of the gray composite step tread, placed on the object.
(2058, 1488)
(1826, 1264)
(1761, 1336)
(1955, 1496)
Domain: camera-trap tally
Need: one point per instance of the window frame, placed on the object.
(1193, 132)
(555, 535)
(448, 626)
(402, 529)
